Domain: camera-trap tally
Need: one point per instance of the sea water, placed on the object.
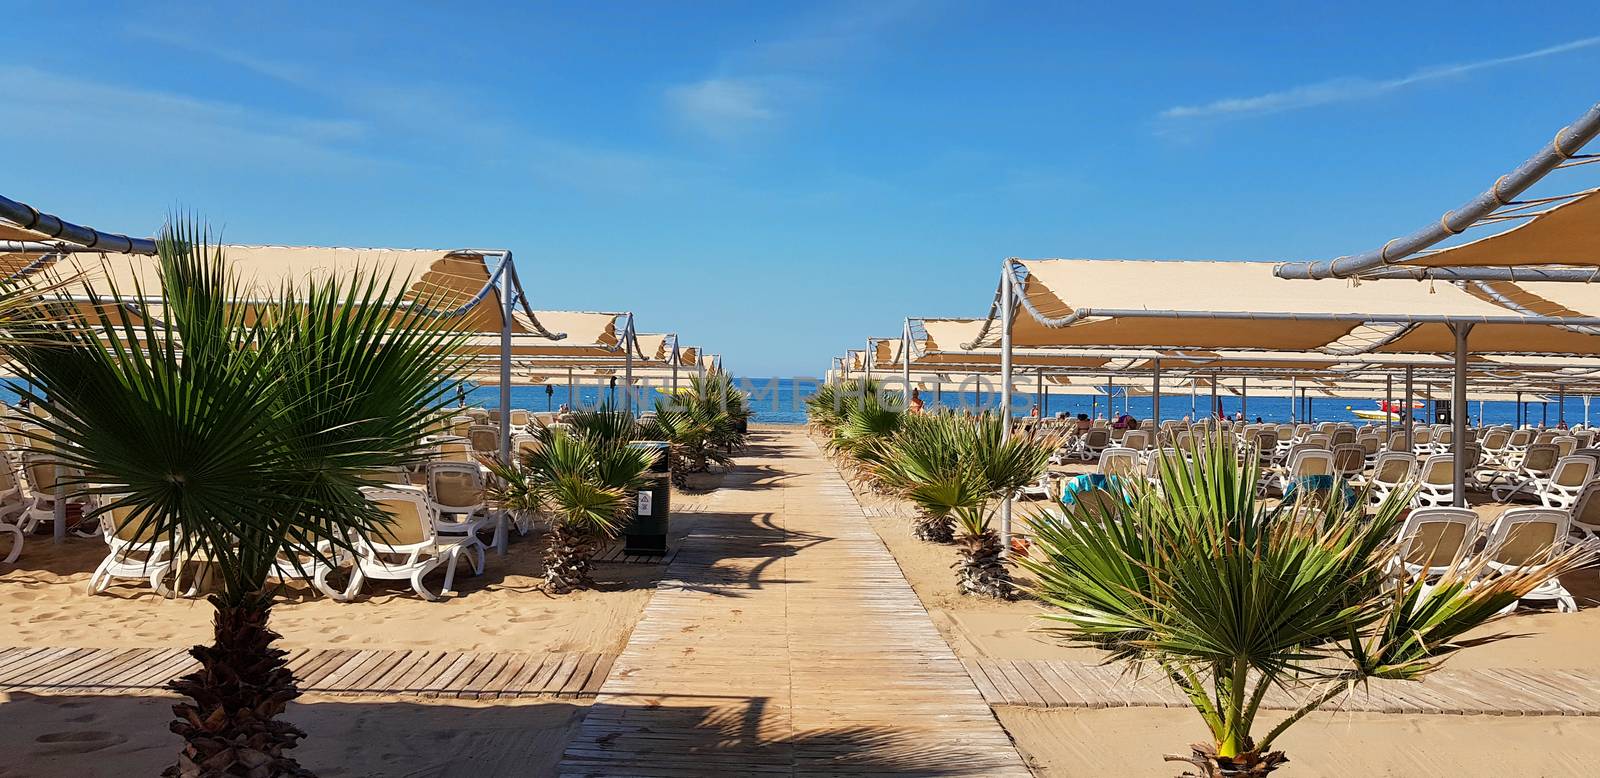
(782, 401)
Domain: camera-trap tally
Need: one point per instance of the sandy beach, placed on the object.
(44, 602)
(1131, 741)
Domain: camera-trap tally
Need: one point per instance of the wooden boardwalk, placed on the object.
(443, 674)
(785, 641)
(1491, 692)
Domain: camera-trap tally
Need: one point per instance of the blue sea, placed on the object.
(782, 401)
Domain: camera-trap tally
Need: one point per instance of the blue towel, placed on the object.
(1318, 483)
(1086, 483)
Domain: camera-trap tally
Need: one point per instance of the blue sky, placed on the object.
(776, 180)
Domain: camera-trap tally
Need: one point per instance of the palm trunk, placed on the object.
(1250, 763)
(567, 560)
(934, 528)
(981, 570)
(243, 684)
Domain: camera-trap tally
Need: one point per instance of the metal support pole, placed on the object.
(1458, 413)
(905, 365)
(1007, 302)
(508, 303)
(1038, 393)
(866, 362)
(1518, 416)
(1155, 394)
(1294, 399)
(1561, 405)
(1244, 398)
(572, 402)
(1216, 405)
(1409, 422)
(1388, 405)
(630, 341)
(1111, 396)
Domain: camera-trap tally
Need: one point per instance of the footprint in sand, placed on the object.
(84, 742)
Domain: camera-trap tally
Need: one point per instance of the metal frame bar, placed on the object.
(30, 218)
(1567, 143)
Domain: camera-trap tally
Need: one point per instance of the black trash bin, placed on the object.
(646, 532)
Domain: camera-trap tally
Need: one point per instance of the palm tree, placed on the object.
(956, 471)
(923, 465)
(1229, 598)
(244, 432)
(693, 431)
(1003, 462)
(582, 479)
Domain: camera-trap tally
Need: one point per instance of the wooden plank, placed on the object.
(563, 672)
(28, 664)
(162, 669)
(367, 680)
(490, 687)
(1048, 696)
(424, 664)
(597, 677)
(58, 666)
(580, 675)
(338, 660)
(355, 668)
(522, 682)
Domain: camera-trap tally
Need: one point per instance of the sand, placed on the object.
(44, 602)
(1130, 742)
(114, 737)
(979, 627)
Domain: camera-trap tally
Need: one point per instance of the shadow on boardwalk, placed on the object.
(731, 552)
(742, 736)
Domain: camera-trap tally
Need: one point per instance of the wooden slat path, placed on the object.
(1491, 692)
(340, 672)
(785, 641)
(616, 554)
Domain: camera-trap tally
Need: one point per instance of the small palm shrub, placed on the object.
(581, 479)
(1229, 598)
(704, 423)
(957, 471)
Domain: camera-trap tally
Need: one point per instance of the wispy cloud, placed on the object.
(723, 108)
(1341, 90)
(136, 119)
(758, 86)
(416, 113)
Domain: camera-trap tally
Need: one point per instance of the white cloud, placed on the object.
(723, 108)
(759, 85)
(136, 120)
(1341, 90)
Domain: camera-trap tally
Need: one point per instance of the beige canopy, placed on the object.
(457, 281)
(1566, 234)
(1242, 305)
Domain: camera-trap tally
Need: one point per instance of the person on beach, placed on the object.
(1083, 424)
(916, 400)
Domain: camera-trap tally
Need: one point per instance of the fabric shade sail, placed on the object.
(1242, 305)
(462, 283)
(1565, 234)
